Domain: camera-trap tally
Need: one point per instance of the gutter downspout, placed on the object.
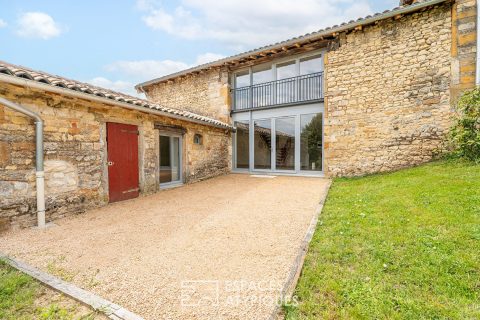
(71, 93)
(40, 175)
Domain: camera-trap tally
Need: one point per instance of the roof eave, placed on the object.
(67, 92)
(309, 37)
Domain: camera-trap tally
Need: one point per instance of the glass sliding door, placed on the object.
(311, 142)
(170, 159)
(242, 144)
(262, 142)
(285, 143)
(288, 141)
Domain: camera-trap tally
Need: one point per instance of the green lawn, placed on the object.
(21, 297)
(404, 245)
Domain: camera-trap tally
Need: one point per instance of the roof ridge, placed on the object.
(44, 73)
(112, 96)
(377, 16)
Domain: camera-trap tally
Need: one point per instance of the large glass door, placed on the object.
(311, 142)
(262, 140)
(242, 144)
(280, 141)
(285, 143)
(170, 159)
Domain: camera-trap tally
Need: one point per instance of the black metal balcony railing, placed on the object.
(286, 91)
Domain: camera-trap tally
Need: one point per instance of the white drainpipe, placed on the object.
(40, 175)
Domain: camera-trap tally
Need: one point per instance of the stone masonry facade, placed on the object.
(206, 93)
(390, 88)
(388, 94)
(75, 154)
(390, 91)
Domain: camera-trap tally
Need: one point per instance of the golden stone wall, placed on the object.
(75, 153)
(388, 93)
(390, 89)
(206, 93)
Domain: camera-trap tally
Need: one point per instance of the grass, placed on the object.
(403, 245)
(17, 293)
(21, 297)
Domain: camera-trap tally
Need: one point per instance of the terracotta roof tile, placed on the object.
(88, 89)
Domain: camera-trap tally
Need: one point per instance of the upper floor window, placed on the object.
(262, 74)
(286, 70)
(311, 65)
(298, 80)
(242, 79)
(278, 71)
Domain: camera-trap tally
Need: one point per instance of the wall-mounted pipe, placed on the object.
(40, 175)
(77, 94)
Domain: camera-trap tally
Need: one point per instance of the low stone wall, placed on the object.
(75, 154)
(388, 93)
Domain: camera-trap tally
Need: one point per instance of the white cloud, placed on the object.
(146, 69)
(2, 23)
(208, 57)
(147, 4)
(120, 86)
(38, 25)
(142, 70)
(235, 22)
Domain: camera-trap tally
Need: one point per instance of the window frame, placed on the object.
(273, 67)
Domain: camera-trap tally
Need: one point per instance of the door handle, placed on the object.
(110, 163)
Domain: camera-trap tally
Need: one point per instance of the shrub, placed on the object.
(465, 134)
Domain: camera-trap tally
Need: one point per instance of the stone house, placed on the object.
(370, 95)
(100, 146)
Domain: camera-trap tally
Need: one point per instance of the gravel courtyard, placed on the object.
(217, 249)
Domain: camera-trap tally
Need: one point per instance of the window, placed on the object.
(242, 79)
(285, 143)
(311, 65)
(262, 89)
(242, 144)
(262, 75)
(285, 87)
(170, 164)
(286, 82)
(262, 144)
(311, 142)
(286, 70)
(198, 139)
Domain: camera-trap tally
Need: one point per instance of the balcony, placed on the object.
(296, 90)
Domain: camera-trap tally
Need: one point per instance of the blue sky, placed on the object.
(117, 44)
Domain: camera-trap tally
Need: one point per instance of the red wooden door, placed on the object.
(122, 148)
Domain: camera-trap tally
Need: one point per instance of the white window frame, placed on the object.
(273, 66)
(272, 114)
